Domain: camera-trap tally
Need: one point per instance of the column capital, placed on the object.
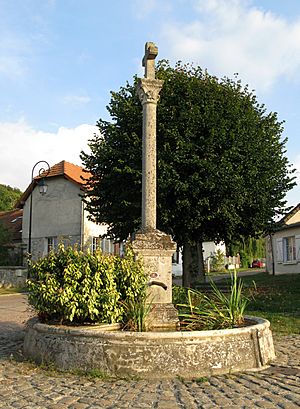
(148, 90)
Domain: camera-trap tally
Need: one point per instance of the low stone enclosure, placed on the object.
(151, 355)
(11, 276)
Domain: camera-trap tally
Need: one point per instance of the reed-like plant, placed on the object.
(216, 311)
(136, 312)
(234, 303)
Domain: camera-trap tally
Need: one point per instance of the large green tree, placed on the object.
(8, 197)
(222, 169)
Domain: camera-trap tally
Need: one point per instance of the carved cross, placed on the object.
(151, 52)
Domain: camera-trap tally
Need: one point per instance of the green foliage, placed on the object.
(5, 239)
(249, 248)
(8, 197)
(220, 310)
(179, 295)
(72, 286)
(5, 234)
(216, 148)
(218, 261)
(136, 312)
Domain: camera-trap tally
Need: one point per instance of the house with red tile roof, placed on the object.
(59, 215)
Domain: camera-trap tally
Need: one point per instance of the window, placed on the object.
(289, 248)
(51, 244)
(96, 244)
(107, 246)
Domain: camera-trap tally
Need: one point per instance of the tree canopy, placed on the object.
(222, 169)
(8, 197)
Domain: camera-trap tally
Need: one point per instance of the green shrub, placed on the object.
(216, 311)
(245, 259)
(218, 261)
(70, 286)
(179, 295)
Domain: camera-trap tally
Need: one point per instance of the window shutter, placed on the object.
(297, 247)
(279, 252)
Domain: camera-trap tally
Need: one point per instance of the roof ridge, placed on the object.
(74, 173)
(291, 213)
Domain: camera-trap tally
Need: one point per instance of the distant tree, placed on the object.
(5, 240)
(8, 197)
(249, 248)
(222, 169)
(5, 234)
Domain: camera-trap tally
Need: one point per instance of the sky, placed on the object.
(60, 59)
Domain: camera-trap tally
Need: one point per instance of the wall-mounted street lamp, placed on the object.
(43, 173)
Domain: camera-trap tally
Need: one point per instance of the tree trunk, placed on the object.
(200, 262)
(186, 265)
(193, 264)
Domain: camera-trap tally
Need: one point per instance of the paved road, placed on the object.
(178, 279)
(22, 385)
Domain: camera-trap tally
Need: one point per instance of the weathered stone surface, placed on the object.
(152, 354)
(156, 249)
(148, 90)
(24, 385)
(13, 276)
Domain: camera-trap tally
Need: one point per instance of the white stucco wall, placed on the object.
(91, 230)
(294, 219)
(280, 265)
(210, 248)
(56, 214)
(59, 213)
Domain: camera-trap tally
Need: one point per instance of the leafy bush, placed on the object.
(218, 261)
(220, 310)
(245, 259)
(72, 286)
(179, 295)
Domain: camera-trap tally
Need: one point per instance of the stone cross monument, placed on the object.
(155, 247)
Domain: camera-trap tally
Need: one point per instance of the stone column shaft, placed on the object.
(148, 90)
(155, 247)
(149, 168)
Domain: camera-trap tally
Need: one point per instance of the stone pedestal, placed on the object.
(156, 249)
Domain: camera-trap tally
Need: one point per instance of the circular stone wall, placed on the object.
(151, 354)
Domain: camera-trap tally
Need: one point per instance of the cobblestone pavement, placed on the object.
(22, 385)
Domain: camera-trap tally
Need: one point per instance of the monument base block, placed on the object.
(163, 317)
(156, 249)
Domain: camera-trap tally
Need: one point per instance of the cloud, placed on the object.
(21, 146)
(229, 36)
(12, 50)
(143, 8)
(76, 100)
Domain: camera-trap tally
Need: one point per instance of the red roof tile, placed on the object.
(68, 170)
(72, 172)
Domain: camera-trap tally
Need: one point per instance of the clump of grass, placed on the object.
(276, 298)
(216, 311)
(12, 290)
(136, 312)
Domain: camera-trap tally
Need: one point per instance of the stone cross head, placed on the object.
(151, 52)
